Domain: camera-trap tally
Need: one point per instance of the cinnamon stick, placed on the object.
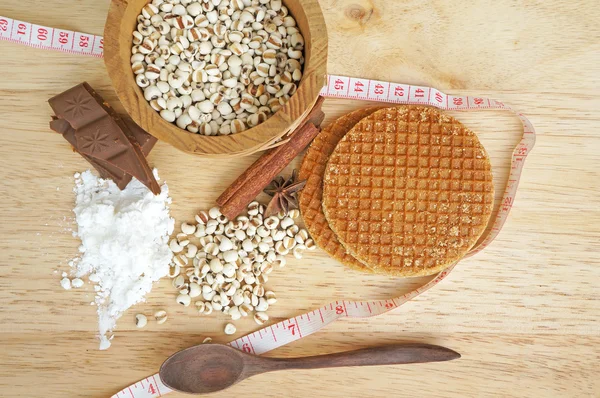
(315, 116)
(261, 177)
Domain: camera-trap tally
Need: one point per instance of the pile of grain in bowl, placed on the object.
(217, 67)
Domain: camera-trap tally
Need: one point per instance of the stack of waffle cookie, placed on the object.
(401, 191)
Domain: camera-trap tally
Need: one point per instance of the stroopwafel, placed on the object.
(310, 198)
(408, 190)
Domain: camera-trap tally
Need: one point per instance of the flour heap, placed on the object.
(124, 243)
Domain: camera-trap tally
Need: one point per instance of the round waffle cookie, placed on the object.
(310, 198)
(408, 190)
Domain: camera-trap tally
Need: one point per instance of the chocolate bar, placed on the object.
(99, 133)
(106, 169)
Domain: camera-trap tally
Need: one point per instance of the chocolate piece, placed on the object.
(140, 136)
(101, 134)
(106, 169)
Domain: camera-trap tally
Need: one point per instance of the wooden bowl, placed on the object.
(121, 23)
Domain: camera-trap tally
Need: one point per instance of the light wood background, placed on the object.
(524, 313)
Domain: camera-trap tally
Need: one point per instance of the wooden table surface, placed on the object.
(524, 313)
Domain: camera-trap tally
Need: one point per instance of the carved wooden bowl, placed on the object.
(121, 23)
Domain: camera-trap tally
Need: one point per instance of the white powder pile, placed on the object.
(124, 243)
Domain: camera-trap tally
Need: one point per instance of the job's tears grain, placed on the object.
(217, 67)
(233, 260)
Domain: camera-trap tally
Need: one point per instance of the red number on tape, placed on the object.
(151, 389)
(84, 41)
(42, 34)
(21, 29)
(419, 93)
(378, 89)
(358, 87)
(63, 38)
(339, 309)
(457, 101)
(3, 25)
(478, 101)
(389, 305)
(339, 84)
(399, 92)
(292, 327)
(246, 348)
(101, 44)
(438, 97)
(507, 203)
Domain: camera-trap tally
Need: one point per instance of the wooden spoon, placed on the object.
(208, 368)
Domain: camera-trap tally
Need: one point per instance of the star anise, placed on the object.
(284, 194)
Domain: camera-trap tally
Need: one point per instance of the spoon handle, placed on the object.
(385, 355)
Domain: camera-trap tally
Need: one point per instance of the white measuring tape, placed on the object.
(293, 329)
(50, 38)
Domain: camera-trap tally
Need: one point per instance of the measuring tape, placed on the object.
(293, 329)
(47, 38)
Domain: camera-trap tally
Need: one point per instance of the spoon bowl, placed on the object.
(204, 368)
(208, 368)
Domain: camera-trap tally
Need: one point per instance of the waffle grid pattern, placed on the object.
(408, 190)
(310, 199)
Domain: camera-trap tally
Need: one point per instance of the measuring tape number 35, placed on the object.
(295, 328)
